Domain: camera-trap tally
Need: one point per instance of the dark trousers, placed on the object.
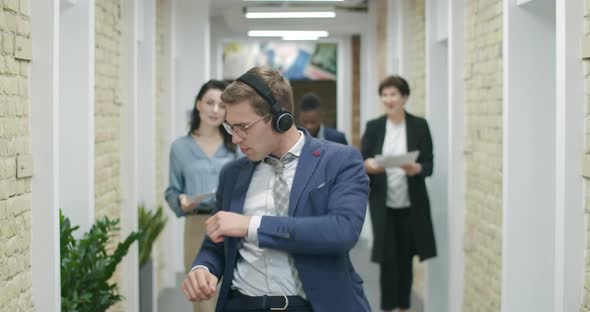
(396, 267)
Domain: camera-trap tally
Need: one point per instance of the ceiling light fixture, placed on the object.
(289, 33)
(290, 15)
(288, 12)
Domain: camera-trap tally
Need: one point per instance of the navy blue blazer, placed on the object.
(334, 135)
(326, 213)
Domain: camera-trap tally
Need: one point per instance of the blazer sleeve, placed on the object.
(212, 254)
(426, 157)
(335, 232)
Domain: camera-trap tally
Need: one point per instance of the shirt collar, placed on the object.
(321, 132)
(295, 149)
(298, 146)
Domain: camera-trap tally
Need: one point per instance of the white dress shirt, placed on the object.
(395, 143)
(261, 271)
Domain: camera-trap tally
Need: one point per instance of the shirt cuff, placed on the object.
(199, 266)
(253, 229)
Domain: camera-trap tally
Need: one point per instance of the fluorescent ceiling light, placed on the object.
(287, 33)
(290, 14)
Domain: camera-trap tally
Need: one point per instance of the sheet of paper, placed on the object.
(391, 161)
(199, 198)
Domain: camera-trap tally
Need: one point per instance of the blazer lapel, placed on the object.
(411, 141)
(241, 187)
(308, 161)
(380, 135)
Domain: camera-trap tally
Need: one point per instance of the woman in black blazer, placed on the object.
(399, 205)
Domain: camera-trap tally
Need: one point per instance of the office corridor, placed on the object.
(94, 92)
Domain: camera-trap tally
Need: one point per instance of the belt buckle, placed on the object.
(286, 304)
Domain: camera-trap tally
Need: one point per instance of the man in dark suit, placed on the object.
(287, 215)
(310, 118)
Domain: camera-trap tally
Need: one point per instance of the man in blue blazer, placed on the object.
(310, 117)
(288, 214)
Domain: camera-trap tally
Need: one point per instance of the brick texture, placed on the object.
(483, 143)
(381, 36)
(162, 126)
(416, 53)
(107, 116)
(15, 141)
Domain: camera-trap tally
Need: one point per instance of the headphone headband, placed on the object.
(282, 120)
(262, 89)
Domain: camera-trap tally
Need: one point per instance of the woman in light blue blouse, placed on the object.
(195, 162)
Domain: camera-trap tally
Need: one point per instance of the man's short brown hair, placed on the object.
(281, 90)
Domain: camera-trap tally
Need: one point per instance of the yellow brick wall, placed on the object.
(586, 303)
(107, 116)
(483, 143)
(15, 142)
(107, 109)
(162, 126)
(416, 52)
(381, 36)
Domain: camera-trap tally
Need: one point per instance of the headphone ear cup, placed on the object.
(283, 121)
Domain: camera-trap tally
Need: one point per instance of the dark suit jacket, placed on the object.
(334, 135)
(418, 138)
(326, 213)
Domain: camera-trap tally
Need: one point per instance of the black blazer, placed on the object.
(418, 138)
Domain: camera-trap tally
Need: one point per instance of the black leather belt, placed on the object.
(240, 302)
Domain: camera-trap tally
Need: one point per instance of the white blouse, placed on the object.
(395, 143)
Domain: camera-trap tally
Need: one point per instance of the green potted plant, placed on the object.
(151, 223)
(87, 265)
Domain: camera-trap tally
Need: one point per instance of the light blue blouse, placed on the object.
(193, 173)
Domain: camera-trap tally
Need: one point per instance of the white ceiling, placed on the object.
(219, 6)
(351, 17)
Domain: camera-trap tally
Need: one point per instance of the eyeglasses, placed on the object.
(241, 131)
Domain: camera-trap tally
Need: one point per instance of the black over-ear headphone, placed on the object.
(282, 120)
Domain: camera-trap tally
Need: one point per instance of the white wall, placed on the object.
(437, 86)
(395, 37)
(168, 239)
(129, 147)
(76, 110)
(529, 157)
(146, 97)
(44, 93)
(456, 150)
(570, 217)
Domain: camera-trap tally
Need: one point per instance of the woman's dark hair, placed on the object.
(397, 82)
(196, 119)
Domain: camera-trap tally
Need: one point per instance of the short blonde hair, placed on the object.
(280, 87)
